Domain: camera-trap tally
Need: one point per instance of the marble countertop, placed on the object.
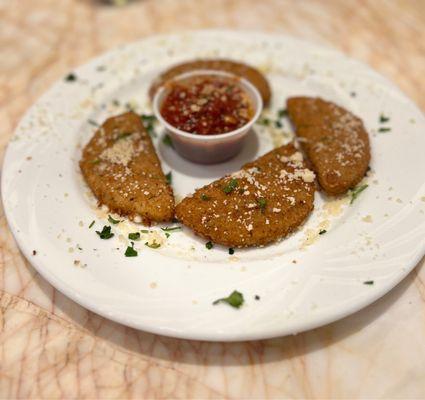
(50, 347)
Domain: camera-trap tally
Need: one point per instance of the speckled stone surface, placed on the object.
(52, 348)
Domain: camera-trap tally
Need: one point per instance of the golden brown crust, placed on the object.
(249, 73)
(334, 140)
(274, 195)
(122, 169)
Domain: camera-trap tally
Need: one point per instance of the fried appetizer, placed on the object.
(122, 169)
(334, 140)
(263, 202)
(245, 71)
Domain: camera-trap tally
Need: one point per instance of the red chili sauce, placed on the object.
(207, 105)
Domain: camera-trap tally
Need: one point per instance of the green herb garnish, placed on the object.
(148, 122)
(231, 251)
(134, 236)
(129, 107)
(116, 102)
(91, 224)
(235, 299)
(105, 233)
(368, 282)
(172, 229)
(150, 129)
(167, 141)
(278, 124)
(113, 221)
(383, 119)
(148, 118)
(204, 197)
(232, 185)
(130, 252)
(321, 232)
(356, 192)
(153, 245)
(71, 77)
(264, 121)
(384, 129)
(209, 245)
(92, 122)
(169, 178)
(95, 161)
(144, 231)
(282, 113)
(123, 135)
(262, 203)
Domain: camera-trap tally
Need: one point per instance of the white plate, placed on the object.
(169, 291)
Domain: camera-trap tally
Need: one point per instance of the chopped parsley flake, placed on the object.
(148, 118)
(167, 141)
(144, 231)
(384, 129)
(130, 252)
(134, 236)
(171, 229)
(232, 185)
(169, 178)
(71, 77)
(153, 245)
(209, 245)
(148, 122)
(231, 251)
(123, 135)
(91, 224)
(262, 203)
(113, 221)
(322, 231)
(150, 129)
(264, 121)
(92, 122)
(116, 102)
(282, 113)
(204, 197)
(235, 299)
(278, 124)
(356, 192)
(383, 119)
(368, 282)
(129, 107)
(105, 233)
(95, 161)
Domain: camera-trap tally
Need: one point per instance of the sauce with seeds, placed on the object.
(207, 105)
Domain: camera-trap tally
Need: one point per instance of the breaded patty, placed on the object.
(334, 140)
(122, 169)
(263, 202)
(249, 73)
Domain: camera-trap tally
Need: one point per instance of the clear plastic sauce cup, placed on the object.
(209, 149)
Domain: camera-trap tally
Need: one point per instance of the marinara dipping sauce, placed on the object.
(207, 114)
(207, 104)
